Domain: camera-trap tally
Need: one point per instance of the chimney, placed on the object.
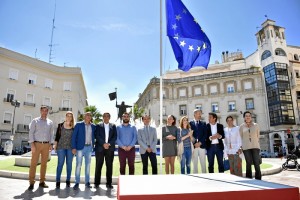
(223, 57)
(226, 57)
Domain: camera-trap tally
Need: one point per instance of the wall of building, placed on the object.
(30, 88)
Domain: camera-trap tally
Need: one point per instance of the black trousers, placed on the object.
(108, 155)
(153, 160)
(252, 157)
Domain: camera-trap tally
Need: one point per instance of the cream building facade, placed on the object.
(34, 83)
(267, 83)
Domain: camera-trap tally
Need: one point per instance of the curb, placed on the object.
(22, 175)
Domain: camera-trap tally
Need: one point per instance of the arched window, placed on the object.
(265, 54)
(280, 52)
(296, 57)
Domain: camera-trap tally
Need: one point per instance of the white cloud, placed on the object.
(133, 29)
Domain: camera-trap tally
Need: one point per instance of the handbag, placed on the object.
(180, 148)
(226, 164)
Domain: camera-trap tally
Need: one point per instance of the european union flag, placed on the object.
(190, 44)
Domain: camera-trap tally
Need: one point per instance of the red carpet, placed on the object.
(201, 186)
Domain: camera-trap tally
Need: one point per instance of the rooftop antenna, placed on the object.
(51, 43)
(35, 53)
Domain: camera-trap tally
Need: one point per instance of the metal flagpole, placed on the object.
(160, 89)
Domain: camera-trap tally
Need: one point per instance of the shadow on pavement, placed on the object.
(31, 194)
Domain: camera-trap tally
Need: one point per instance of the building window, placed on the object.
(9, 96)
(182, 110)
(296, 57)
(13, 74)
(297, 74)
(249, 104)
(265, 55)
(47, 101)
(198, 106)
(231, 106)
(197, 91)
(247, 85)
(165, 93)
(215, 107)
(213, 90)
(29, 98)
(280, 52)
(67, 86)
(182, 92)
(66, 103)
(283, 37)
(164, 111)
(32, 79)
(7, 118)
(298, 95)
(230, 88)
(27, 119)
(48, 83)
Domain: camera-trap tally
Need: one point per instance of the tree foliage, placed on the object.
(97, 116)
(137, 112)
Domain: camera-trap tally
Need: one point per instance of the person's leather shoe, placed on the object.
(31, 187)
(76, 186)
(68, 184)
(96, 186)
(88, 185)
(109, 186)
(43, 185)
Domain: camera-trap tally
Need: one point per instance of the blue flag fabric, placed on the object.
(190, 44)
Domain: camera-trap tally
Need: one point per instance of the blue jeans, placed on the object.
(62, 155)
(87, 153)
(215, 150)
(186, 160)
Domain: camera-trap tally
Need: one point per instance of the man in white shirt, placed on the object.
(215, 146)
(105, 136)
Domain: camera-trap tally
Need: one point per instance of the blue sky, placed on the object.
(116, 42)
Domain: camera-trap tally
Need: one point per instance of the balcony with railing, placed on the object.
(7, 100)
(65, 109)
(22, 128)
(29, 104)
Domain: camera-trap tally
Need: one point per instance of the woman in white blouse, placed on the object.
(232, 147)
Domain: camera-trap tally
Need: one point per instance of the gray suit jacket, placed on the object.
(142, 139)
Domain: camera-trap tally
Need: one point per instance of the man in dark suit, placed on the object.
(200, 134)
(82, 146)
(106, 136)
(215, 146)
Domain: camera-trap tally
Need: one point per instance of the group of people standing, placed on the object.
(195, 141)
(81, 139)
(192, 140)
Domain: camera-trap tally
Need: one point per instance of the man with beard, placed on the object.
(126, 139)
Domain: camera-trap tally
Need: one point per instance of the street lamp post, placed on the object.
(16, 104)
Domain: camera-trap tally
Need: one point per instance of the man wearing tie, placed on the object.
(147, 139)
(105, 136)
(215, 146)
(199, 133)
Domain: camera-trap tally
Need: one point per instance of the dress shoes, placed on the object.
(43, 185)
(109, 186)
(76, 186)
(88, 185)
(31, 186)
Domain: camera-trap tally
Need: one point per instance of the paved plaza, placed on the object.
(12, 188)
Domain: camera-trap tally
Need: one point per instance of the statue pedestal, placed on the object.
(25, 160)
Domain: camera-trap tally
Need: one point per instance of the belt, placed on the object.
(43, 142)
(87, 145)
